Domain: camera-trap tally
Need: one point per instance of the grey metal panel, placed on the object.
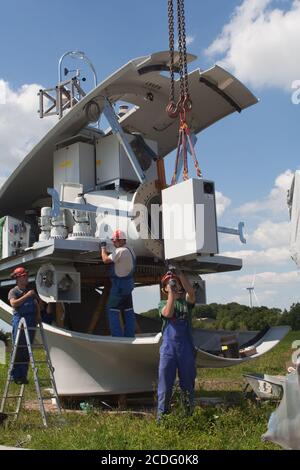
(75, 164)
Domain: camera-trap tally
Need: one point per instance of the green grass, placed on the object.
(229, 426)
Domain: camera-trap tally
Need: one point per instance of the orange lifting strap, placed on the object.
(185, 142)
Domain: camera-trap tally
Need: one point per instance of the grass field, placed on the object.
(236, 424)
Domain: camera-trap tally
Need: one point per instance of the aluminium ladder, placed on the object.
(34, 364)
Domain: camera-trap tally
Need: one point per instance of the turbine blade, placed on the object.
(253, 280)
(256, 298)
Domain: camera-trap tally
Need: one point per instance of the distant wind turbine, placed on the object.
(252, 293)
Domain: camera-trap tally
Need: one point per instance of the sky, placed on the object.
(251, 157)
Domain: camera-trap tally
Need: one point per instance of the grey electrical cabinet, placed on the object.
(75, 163)
(113, 165)
(189, 220)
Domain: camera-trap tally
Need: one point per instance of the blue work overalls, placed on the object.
(177, 352)
(28, 311)
(120, 299)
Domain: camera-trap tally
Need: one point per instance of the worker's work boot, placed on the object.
(3, 417)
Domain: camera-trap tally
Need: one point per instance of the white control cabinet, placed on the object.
(189, 220)
(15, 236)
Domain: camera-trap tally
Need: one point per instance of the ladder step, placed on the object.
(13, 396)
(36, 362)
(11, 379)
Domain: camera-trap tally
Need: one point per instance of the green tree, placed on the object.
(291, 317)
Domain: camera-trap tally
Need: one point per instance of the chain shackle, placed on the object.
(187, 103)
(172, 109)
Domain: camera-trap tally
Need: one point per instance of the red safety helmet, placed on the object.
(166, 278)
(118, 235)
(19, 272)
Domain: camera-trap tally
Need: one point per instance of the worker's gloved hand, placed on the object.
(174, 268)
(103, 244)
(31, 293)
(173, 285)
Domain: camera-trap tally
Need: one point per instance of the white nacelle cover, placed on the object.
(284, 423)
(295, 218)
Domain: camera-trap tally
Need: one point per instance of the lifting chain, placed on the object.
(184, 102)
(171, 48)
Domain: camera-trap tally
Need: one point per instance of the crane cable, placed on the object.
(184, 103)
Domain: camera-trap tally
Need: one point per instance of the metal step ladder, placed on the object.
(22, 327)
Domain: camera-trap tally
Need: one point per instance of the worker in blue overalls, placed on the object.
(25, 304)
(177, 352)
(122, 266)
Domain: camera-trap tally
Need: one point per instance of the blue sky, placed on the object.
(247, 155)
(34, 35)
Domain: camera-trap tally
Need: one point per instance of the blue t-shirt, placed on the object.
(28, 307)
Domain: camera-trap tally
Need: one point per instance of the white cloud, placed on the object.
(2, 92)
(222, 203)
(270, 256)
(261, 43)
(266, 252)
(259, 299)
(218, 279)
(275, 202)
(273, 289)
(270, 234)
(190, 40)
(269, 279)
(20, 125)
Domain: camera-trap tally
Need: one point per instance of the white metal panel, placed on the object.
(189, 219)
(58, 283)
(15, 236)
(295, 220)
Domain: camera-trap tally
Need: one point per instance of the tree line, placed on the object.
(234, 316)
